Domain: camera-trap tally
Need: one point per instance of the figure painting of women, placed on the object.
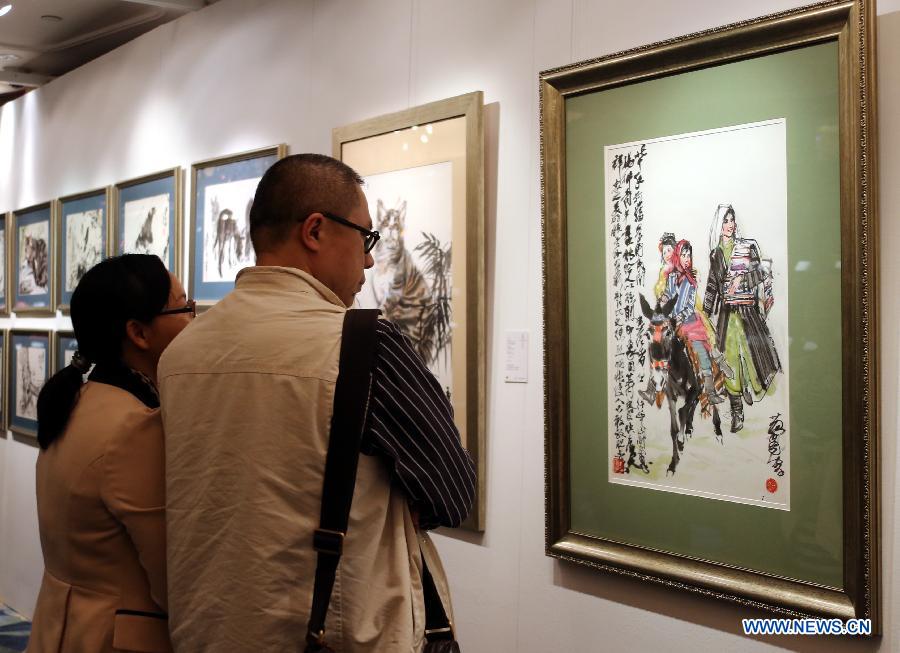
(678, 278)
(691, 328)
(739, 297)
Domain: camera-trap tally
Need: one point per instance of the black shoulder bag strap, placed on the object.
(438, 631)
(351, 399)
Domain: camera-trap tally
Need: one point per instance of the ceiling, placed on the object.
(43, 39)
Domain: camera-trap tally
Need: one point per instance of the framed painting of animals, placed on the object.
(222, 193)
(33, 257)
(424, 180)
(28, 369)
(147, 217)
(5, 263)
(710, 346)
(82, 236)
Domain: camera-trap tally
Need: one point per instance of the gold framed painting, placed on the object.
(424, 173)
(28, 368)
(6, 220)
(4, 380)
(147, 214)
(34, 277)
(222, 191)
(82, 239)
(710, 257)
(64, 347)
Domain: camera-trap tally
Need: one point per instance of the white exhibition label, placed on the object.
(516, 365)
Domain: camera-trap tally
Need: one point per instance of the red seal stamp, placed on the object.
(618, 465)
(772, 485)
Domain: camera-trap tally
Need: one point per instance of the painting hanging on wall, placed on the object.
(709, 258)
(5, 263)
(424, 181)
(411, 280)
(82, 235)
(4, 380)
(29, 368)
(222, 195)
(33, 281)
(148, 217)
(64, 347)
(709, 330)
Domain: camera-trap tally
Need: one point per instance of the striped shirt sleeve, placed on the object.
(410, 425)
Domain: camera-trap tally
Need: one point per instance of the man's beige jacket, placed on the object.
(247, 394)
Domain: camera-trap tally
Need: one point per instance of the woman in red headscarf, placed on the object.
(691, 327)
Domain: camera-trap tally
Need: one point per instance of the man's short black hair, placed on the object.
(295, 187)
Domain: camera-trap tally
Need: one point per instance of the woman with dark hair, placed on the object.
(100, 471)
(739, 295)
(667, 244)
(691, 327)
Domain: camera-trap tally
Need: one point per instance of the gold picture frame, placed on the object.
(849, 28)
(4, 380)
(56, 349)
(6, 264)
(22, 425)
(152, 183)
(105, 194)
(205, 294)
(46, 306)
(375, 147)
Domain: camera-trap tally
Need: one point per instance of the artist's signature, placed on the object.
(776, 430)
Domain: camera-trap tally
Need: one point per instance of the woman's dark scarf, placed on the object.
(121, 376)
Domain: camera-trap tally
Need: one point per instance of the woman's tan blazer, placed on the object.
(101, 510)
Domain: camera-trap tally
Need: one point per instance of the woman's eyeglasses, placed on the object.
(190, 307)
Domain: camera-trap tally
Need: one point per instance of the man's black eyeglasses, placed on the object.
(370, 238)
(190, 307)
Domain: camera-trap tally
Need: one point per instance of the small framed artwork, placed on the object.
(64, 348)
(28, 368)
(147, 218)
(82, 236)
(222, 192)
(710, 332)
(33, 277)
(5, 264)
(424, 174)
(4, 379)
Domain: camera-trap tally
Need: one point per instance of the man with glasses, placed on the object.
(247, 398)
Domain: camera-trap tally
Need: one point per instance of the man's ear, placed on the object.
(310, 231)
(136, 332)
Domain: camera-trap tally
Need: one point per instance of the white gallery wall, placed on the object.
(243, 74)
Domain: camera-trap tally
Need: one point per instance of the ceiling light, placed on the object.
(5, 9)
(429, 129)
(423, 138)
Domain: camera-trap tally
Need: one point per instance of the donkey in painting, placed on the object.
(673, 376)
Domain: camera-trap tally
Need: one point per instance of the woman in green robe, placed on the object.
(738, 298)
